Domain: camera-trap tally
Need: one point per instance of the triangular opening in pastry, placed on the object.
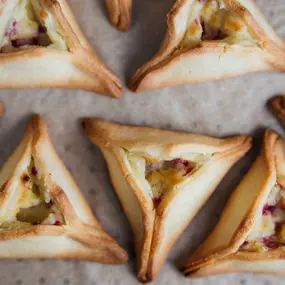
(215, 21)
(211, 39)
(31, 204)
(226, 21)
(250, 235)
(42, 46)
(42, 212)
(162, 179)
(159, 178)
(269, 229)
(25, 28)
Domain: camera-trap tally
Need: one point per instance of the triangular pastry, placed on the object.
(162, 179)
(210, 40)
(250, 235)
(120, 13)
(41, 45)
(42, 212)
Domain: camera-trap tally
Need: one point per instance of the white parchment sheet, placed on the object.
(222, 108)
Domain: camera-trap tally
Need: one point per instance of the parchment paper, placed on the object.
(220, 108)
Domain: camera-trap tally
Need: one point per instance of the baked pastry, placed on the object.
(42, 212)
(210, 40)
(120, 13)
(41, 45)
(277, 107)
(251, 232)
(162, 179)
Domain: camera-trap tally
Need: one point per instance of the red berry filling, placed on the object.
(26, 178)
(23, 42)
(34, 171)
(156, 201)
(42, 29)
(182, 163)
(57, 223)
(268, 210)
(178, 161)
(189, 170)
(12, 31)
(271, 245)
(271, 242)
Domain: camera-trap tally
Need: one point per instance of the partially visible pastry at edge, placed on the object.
(120, 13)
(43, 214)
(162, 179)
(250, 235)
(277, 107)
(210, 40)
(2, 109)
(42, 46)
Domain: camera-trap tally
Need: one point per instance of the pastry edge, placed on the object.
(94, 74)
(216, 261)
(143, 77)
(89, 240)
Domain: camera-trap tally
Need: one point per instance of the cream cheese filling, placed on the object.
(269, 229)
(213, 20)
(157, 178)
(33, 206)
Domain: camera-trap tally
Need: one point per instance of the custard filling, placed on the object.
(212, 20)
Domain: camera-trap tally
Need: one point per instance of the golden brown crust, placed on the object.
(143, 248)
(231, 156)
(271, 262)
(155, 244)
(158, 72)
(220, 251)
(79, 67)
(120, 13)
(277, 107)
(107, 134)
(167, 48)
(81, 233)
(220, 54)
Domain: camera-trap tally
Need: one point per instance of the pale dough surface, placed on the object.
(220, 108)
